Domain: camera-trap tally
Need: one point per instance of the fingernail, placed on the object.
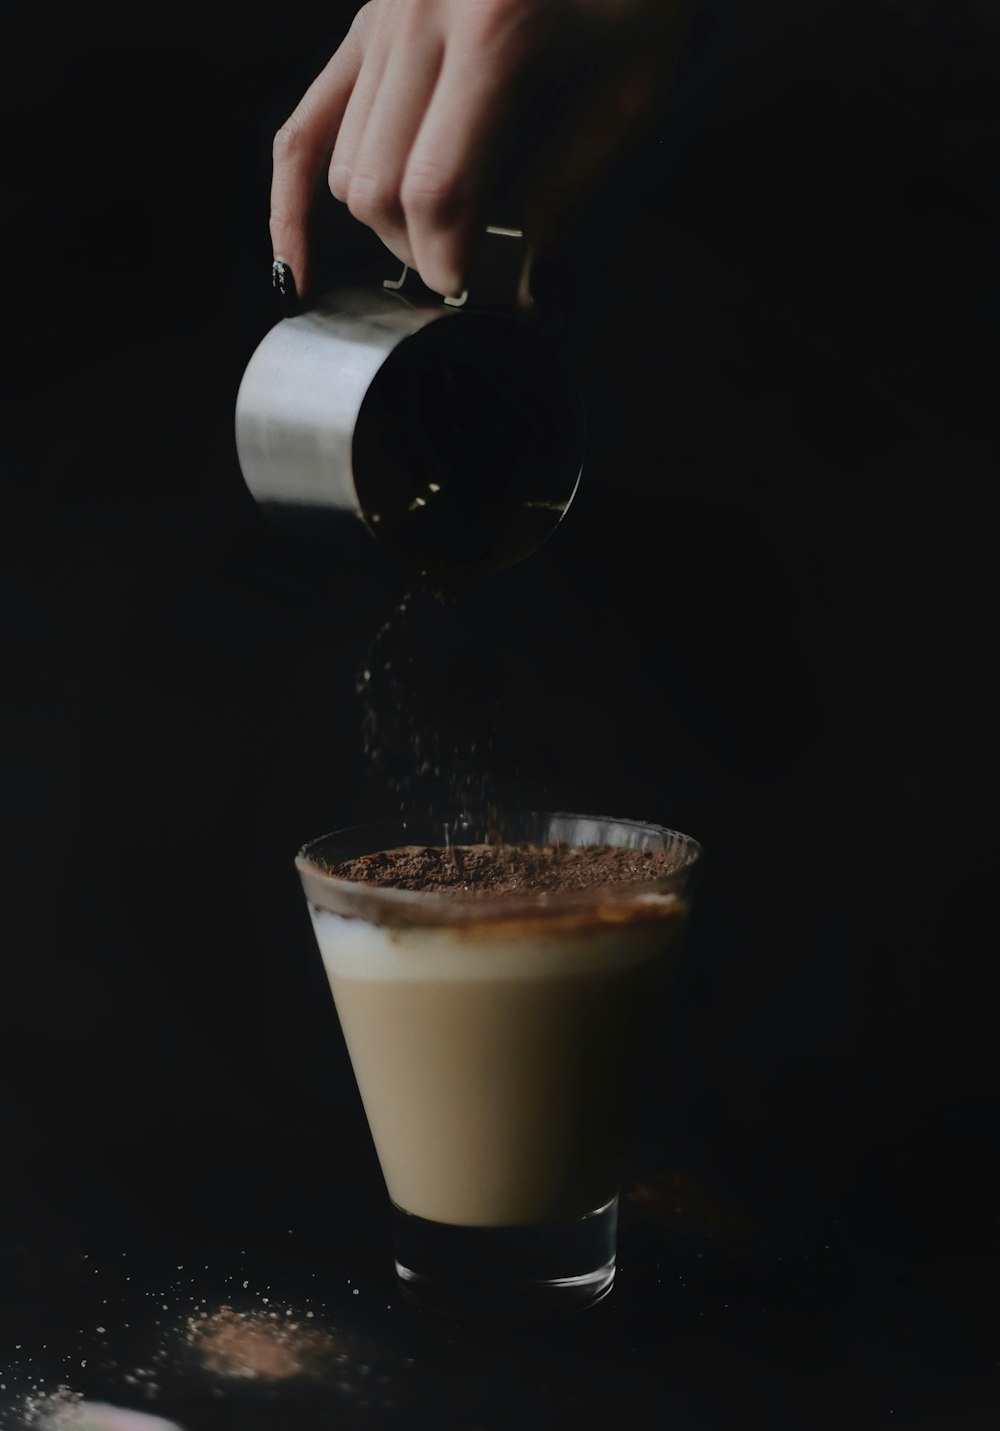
(283, 283)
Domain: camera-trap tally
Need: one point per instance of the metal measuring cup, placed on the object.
(450, 427)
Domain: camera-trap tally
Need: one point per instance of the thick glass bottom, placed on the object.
(488, 1274)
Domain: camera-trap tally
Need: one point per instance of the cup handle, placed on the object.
(500, 277)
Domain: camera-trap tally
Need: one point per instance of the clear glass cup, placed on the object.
(494, 1042)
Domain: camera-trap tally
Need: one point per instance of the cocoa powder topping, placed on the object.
(504, 869)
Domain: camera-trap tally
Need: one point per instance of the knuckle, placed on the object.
(429, 192)
(281, 218)
(362, 21)
(339, 180)
(287, 140)
(370, 200)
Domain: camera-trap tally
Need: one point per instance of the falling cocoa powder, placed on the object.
(428, 707)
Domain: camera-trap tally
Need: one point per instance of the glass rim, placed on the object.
(437, 906)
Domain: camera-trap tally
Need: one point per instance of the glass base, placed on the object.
(506, 1273)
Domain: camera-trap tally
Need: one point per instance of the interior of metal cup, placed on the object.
(468, 446)
(316, 859)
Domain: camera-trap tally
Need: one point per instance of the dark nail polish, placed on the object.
(283, 282)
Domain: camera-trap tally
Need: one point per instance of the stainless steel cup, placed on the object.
(451, 428)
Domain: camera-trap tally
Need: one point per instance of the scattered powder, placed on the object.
(678, 1200)
(65, 1410)
(261, 1346)
(270, 1347)
(54, 1410)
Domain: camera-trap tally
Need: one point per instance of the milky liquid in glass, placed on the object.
(495, 1050)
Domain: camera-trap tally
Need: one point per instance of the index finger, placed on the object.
(301, 152)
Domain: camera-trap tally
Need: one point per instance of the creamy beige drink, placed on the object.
(495, 1060)
(493, 1000)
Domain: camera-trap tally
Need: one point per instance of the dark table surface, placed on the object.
(768, 620)
(715, 1321)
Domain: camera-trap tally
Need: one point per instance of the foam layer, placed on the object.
(537, 949)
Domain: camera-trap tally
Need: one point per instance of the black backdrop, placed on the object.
(769, 619)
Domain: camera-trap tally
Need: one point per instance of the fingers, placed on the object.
(408, 119)
(375, 139)
(355, 119)
(301, 150)
(412, 158)
(446, 178)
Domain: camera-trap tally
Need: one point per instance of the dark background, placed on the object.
(768, 620)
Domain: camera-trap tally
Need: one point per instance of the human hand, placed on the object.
(433, 111)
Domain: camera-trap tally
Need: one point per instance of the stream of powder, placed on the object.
(428, 709)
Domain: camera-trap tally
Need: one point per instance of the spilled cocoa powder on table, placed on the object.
(259, 1346)
(505, 869)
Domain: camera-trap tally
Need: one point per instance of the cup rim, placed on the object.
(384, 903)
